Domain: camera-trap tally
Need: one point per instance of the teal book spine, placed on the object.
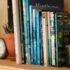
(26, 21)
(60, 47)
(38, 37)
(34, 37)
(31, 32)
(56, 38)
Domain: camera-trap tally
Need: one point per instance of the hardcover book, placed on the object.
(17, 31)
(45, 37)
(49, 41)
(26, 21)
(38, 37)
(34, 37)
(52, 5)
(52, 32)
(61, 25)
(31, 33)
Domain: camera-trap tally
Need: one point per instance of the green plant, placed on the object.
(8, 28)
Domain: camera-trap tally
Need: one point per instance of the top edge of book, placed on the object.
(50, 5)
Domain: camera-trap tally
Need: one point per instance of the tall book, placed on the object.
(38, 35)
(59, 30)
(52, 35)
(17, 31)
(34, 37)
(49, 40)
(66, 37)
(26, 22)
(21, 29)
(45, 37)
(31, 32)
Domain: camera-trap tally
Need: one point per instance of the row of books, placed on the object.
(42, 34)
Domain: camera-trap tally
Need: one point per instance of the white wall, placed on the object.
(3, 15)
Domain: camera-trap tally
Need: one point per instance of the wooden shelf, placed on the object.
(11, 65)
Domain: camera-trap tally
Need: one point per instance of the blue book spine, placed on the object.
(41, 40)
(26, 29)
(38, 37)
(34, 36)
(31, 33)
(56, 39)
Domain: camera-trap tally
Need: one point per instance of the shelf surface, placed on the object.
(11, 65)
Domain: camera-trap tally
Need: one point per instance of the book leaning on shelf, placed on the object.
(17, 31)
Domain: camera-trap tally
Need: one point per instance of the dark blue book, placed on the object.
(53, 5)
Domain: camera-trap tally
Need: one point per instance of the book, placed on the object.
(41, 40)
(53, 5)
(34, 37)
(66, 36)
(38, 37)
(31, 33)
(21, 30)
(52, 35)
(59, 33)
(45, 37)
(17, 31)
(49, 40)
(26, 22)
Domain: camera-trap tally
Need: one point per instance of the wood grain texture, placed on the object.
(11, 65)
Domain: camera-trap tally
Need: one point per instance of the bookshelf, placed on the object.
(11, 65)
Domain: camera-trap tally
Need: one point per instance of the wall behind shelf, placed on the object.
(67, 5)
(4, 13)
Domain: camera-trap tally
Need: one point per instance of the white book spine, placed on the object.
(49, 39)
(45, 38)
(52, 37)
(16, 31)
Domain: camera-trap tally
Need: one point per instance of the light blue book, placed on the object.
(31, 33)
(26, 22)
(38, 46)
(34, 37)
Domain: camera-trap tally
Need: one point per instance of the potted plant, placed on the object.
(9, 40)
